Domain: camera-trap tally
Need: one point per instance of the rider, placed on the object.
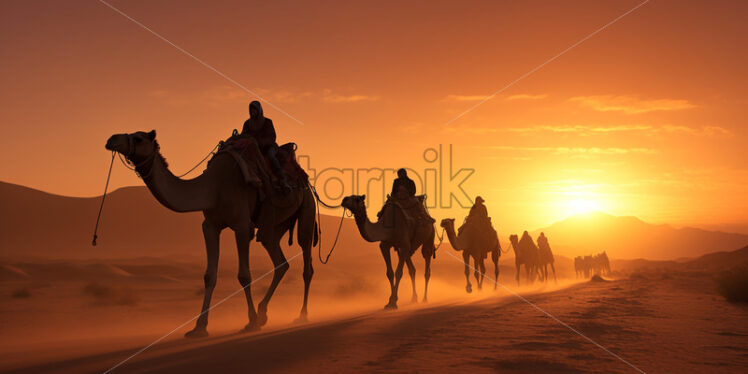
(261, 129)
(478, 216)
(403, 181)
(403, 188)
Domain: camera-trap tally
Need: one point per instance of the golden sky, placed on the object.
(645, 118)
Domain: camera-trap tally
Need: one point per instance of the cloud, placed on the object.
(526, 97)
(630, 104)
(464, 98)
(585, 130)
(575, 150)
(330, 97)
(581, 129)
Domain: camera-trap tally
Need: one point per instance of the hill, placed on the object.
(630, 238)
(38, 224)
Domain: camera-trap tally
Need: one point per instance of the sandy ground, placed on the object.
(656, 321)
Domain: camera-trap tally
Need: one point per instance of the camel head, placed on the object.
(514, 240)
(448, 222)
(355, 203)
(136, 147)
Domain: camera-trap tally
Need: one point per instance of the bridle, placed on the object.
(135, 166)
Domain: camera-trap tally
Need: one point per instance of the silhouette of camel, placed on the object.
(392, 230)
(525, 253)
(545, 258)
(226, 201)
(476, 245)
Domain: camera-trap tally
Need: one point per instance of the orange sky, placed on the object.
(646, 118)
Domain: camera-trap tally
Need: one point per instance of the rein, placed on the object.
(132, 166)
(319, 230)
(101, 207)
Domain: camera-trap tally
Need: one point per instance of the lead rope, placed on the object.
(103, 197)
(319, 230)
(131, 166)
(441, 239)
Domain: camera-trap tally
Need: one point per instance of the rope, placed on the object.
(441, 239)
(101, 207)
(201, 161)
(319, 229)
(128, 164)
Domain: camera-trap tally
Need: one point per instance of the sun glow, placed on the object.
(581, 206)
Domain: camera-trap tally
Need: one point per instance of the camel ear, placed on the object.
(363, 197)
(152, 134)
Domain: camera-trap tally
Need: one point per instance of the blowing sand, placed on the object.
(656, 321)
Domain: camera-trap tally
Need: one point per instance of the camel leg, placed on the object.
(390, 274)
(412, 273)
(245, 277)
(281, 266)
(527, 273)
(495, 258)
(402, 255)
(516, 273)
(212, 238)
(554, 273)
(426, 276)
(477, 272)
(466, 259)
(306, 237)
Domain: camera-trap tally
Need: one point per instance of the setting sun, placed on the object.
(580, 206)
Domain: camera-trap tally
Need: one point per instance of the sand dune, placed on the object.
(640, 319)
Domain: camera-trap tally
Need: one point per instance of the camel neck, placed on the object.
(371, 232)
(174, 193)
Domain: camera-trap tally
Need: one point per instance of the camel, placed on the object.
(226, 201)
(473, 244)
(392, 231)
(545, 258)
(525, 253)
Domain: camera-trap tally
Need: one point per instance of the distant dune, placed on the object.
(38, 224)
(631, 238)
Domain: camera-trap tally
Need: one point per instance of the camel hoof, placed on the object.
(414, 300)
(390, 306)
(425, 300)
(251, 327)
(197, 332)
(302, 319)
(469, 289)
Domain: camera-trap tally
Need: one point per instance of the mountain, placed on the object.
(38, 224)
(630, 238)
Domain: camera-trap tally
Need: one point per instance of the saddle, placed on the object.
(254, 166)
(413, 208)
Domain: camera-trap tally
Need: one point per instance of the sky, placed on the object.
(646, 117)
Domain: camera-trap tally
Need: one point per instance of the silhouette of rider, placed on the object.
(405, 183)
(479, 210)
(262, 130)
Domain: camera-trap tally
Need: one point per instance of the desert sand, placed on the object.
(655, 319)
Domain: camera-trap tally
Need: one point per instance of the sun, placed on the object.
(582, 206)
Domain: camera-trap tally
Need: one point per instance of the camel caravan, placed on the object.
(598, 264)
(255, 187)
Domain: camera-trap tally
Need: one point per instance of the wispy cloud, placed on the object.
(574, 150)
(630, 104)
(526, 97)
(329, 96)
(581, 129)
(464, 98)
(228, 94)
